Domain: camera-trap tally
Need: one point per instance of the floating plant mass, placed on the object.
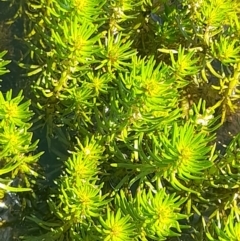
(115, 120)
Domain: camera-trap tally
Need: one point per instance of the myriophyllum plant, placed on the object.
(130, 97)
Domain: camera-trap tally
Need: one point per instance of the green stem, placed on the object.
(62, 82)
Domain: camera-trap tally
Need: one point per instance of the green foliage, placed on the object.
(18, 159)
(116, 227)
(129, 97)
(153, 213)
(3, 63)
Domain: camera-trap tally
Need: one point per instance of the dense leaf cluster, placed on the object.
(131, 97)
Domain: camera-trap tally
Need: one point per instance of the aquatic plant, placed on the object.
(130, 98)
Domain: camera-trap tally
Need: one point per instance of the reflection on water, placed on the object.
(10, 213)
(6, 234)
